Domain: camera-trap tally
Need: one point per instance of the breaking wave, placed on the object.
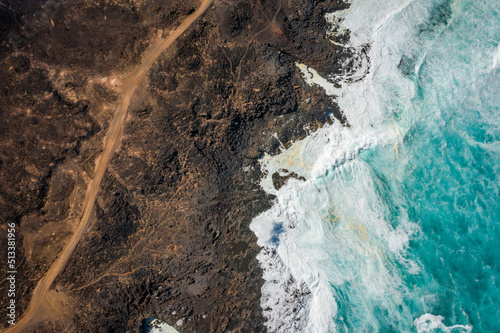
(393, 223)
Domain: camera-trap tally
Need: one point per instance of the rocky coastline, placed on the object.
(170, 237)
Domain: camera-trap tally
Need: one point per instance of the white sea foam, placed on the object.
(157, 326)
(496, 58)
(302, 257)
(332, 229)
(429, 323)
(327, 148)
(313, 78)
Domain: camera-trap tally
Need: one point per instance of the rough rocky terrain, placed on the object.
(170, 237)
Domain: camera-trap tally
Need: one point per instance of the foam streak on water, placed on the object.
(394, 228)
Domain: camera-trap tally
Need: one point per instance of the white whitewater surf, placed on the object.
(329, 240)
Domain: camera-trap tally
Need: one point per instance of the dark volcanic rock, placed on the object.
(170, 238)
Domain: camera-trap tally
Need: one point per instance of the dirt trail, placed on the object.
(34, 313)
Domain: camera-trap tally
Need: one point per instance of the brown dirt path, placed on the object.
(34, 313)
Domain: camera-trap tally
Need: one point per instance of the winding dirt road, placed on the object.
(111, 143)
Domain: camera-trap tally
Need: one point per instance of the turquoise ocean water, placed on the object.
(397, 227)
